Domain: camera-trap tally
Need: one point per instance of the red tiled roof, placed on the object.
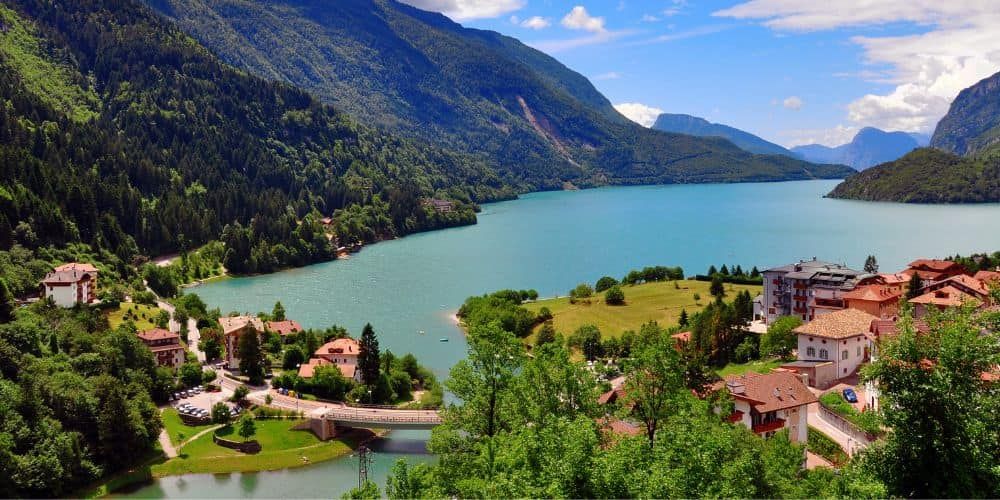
(284, 327)
(895, 278)
(306, 369)
(932, 264)
(875, 293)
(948, 296)
(611, 396)
(883, 327)
(344, 345)
(77, 266)
(988, 276)
(682, 336)
(619, 426)
(157, 334)
(770, 392)
(974, 285)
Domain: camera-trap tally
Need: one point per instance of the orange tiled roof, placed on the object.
(875, 293)
(973, 284)
(345, 345)
(838, 324)
(306, 369)
(682, 336)
(77, 266)
(770, 392)
(284, 327)
(932, 264)
(157, 334)
(988, 276)
(948, 296)
(895, 278)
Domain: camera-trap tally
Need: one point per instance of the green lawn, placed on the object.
(176, 429)
(758, 366)
(282, 447)
(660, 301)
(136, 475)
(824, 446)
(140, 314)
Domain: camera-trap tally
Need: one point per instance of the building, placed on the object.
(234, 327)
(941, 299)
(931, 270)
(990, 278)
(342, 353)
(441, 206)
(879, 330)
(680, 340)
(808, 289)
(165, 345)
(878, 300)
(71, 284)
(839, 337)
(768, 403)
(283, 328)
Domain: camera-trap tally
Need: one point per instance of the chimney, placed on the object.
(777, 393)
(735, 387)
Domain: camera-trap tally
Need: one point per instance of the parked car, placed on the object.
(850, 395)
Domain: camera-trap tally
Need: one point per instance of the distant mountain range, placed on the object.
(869, 147)
(963, 165)
(478, 92)
(972, 124)
(693, 125)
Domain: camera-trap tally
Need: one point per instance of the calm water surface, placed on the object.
(550, 242)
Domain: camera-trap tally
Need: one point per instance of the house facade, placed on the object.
(71, 284)
(839, 337)
(808, 289)
(769, 403)
(342, 353)
(165, 346)
(234, 327)
(879, 300)
(931, 270)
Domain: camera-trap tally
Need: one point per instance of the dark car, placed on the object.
(850, 395)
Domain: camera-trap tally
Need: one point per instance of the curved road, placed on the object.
(194, 337)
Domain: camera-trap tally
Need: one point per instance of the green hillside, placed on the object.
(120, 131)
(927, 175)
(468, 90)
(972, 124)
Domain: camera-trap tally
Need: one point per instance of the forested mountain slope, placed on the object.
(120, 131)
(927, 175)
(469, 90)
(972, 124)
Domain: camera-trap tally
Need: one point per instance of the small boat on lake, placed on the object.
(443, 339)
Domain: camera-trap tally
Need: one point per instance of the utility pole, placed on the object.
(364, 462)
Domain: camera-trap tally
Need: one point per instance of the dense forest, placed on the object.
(927, 175)
(119, 131)
(422, 75)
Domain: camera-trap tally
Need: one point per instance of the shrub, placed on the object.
(605, 283)
(614, 296)
(582, 291)
(221, 413)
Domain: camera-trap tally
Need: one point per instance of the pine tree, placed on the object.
(712, 270)
(717, 289)
(913, 288)
(368, 357)
(278, 313)
(871, 265)
(682, 321)
(724, 270)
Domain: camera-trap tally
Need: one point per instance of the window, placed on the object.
(859, 351)
(823, 354)
(811, 352)
(844, 355)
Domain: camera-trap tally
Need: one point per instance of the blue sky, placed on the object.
(791, 71)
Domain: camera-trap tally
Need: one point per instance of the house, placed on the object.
(283, 328)
(768, 403)
(942, 298)
(342, 353)
(441, 206)
(879, 300)
(681, 339)
(71, 284)
(839, 337)
(989, 278)
(809, 289)
(234, 327)
(931, 270)
(165, 345)
(964, 283)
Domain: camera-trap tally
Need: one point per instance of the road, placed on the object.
(193, 336)
(849, 444)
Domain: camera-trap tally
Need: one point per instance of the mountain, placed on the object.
(927, 175)
(119, 131)
(972, 124)
(693, 125)
(869, 147)
(420, 74)
(923, 140)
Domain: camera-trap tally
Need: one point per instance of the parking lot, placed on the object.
(201, 401)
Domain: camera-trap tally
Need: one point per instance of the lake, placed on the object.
(410, 288)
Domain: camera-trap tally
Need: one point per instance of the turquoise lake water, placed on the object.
(552, 241)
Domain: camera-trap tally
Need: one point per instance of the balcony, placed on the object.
(773, 425)
(735, 417)
(800, 286)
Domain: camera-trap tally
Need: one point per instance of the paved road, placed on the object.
(194, 337)
(849, 444)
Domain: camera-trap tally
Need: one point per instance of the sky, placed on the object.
(791, 71)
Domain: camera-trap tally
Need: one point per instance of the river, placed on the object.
(409, 288)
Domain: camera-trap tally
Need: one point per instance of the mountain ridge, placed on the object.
(694, 125)
(869, 147)
(972, 124)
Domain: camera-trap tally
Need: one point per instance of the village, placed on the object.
(844, 314)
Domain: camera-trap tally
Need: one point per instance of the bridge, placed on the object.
(326, 417)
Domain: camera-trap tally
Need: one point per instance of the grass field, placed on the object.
(661, 302)
(282, 447)
(176, 429)
(140, 314)
(758, 366)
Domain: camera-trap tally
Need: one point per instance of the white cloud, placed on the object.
(682, 35)
(536, 23)
(840, 134)
(461, 10)
(960, 46)
(646, 18)
(611, 75)
(792, 102)
(579, 19)
(639, 113)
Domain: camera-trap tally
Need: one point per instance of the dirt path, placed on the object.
(198, 435)
(168, 447)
